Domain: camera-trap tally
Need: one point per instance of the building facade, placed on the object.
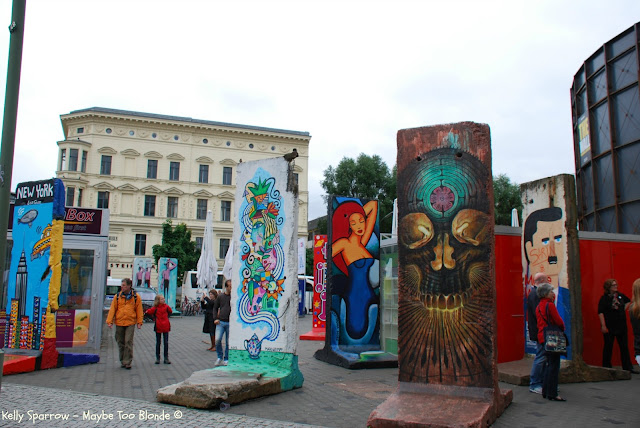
(147, 168)
(605, 101)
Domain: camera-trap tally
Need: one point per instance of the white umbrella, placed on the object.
(207, 264)
(228, 262)
(514, 218)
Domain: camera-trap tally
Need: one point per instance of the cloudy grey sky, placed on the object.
(350, 73)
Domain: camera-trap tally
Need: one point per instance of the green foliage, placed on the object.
(506, 197)
(309, 262)
(177, 243)
(367, 177)
(322, 226)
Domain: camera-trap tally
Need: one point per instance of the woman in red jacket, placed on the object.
(547, 314)
(162, 311)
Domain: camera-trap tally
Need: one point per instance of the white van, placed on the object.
(112, 288)
(190, 288)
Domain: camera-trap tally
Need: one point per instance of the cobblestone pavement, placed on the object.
(331, 396)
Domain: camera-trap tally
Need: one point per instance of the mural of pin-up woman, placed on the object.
(355, 253)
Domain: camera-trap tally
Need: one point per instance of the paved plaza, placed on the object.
(331, 396)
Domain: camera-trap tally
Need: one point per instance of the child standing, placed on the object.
(162, 327)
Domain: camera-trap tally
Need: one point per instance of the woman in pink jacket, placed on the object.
(547, 314)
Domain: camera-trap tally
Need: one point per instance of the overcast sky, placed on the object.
(350, 73)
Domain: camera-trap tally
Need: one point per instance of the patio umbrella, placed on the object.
(207, 264)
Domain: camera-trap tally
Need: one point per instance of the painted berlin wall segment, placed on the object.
(446, 309)
(264, 295)
(168, 280)
(141, 276)
(35, 272)
(545, 243)
(319, 282)
(352, 337)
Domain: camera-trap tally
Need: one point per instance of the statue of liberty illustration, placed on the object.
(262, 258)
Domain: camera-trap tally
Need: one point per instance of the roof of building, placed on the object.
(186, 119)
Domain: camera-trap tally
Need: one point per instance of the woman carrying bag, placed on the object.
(548, 316)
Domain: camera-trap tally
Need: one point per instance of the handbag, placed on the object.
(555, 341)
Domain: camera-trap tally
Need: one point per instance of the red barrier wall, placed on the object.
(509, 298)
(602, 256)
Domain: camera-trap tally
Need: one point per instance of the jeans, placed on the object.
(551, 372)
(222, 328)
(166, 345)
(607, 350)
(124, 338)
(537, 368)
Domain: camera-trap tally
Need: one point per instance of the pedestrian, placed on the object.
(209, 326)
(222, 311)
(634, 317)
(613, 324)
(125, 312)
(547, 314)
(161, 312)
(535, 378)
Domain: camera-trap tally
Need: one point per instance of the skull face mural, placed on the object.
(445, 241)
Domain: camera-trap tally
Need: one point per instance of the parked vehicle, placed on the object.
(111, 289)
(190, 290)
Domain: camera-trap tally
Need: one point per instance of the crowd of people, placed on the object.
(612, 309)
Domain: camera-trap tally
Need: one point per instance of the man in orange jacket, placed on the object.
(125, 312)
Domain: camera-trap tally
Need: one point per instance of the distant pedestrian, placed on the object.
(161, 312)
(613, 323)
(634, 316)
(222, 311)
(535, 378)
(547, 314)
(125, 312)
(209, 326)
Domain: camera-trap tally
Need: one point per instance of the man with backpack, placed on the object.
(125, 313)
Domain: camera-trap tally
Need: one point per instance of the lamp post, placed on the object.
(16, 28)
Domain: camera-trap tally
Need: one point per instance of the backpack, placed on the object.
(135, 296)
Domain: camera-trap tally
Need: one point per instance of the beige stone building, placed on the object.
(146, 168)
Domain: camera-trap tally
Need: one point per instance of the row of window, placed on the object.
(140, 246)
(152, 167)
(150, 205)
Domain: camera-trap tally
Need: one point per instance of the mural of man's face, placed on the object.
(546, 253)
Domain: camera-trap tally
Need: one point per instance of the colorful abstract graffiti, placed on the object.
(262, 259)
(445, 246)
(355, 276)
(168, 280)
(35, 272)
(319, 281)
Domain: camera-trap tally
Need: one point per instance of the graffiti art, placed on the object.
(262, 258)
(355, 277)
(445, 240)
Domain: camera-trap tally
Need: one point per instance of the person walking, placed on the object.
(222, 311)
(125, 312)
(547, 314)
(535, 378)
(613, 324)
(209, 326)
(161, 311)
(634, 317)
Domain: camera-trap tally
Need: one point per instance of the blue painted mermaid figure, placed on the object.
(352, 228)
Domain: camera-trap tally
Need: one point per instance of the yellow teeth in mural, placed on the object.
(43, 244)
(442, 302)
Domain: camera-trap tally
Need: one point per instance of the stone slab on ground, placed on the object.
(70, 359)
(363, 360)
(206, 389)
(14, 364)
(517, 372)
(417, 409)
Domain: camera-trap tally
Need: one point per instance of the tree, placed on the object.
(177, 243)
(506, 196)
(367, 177)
